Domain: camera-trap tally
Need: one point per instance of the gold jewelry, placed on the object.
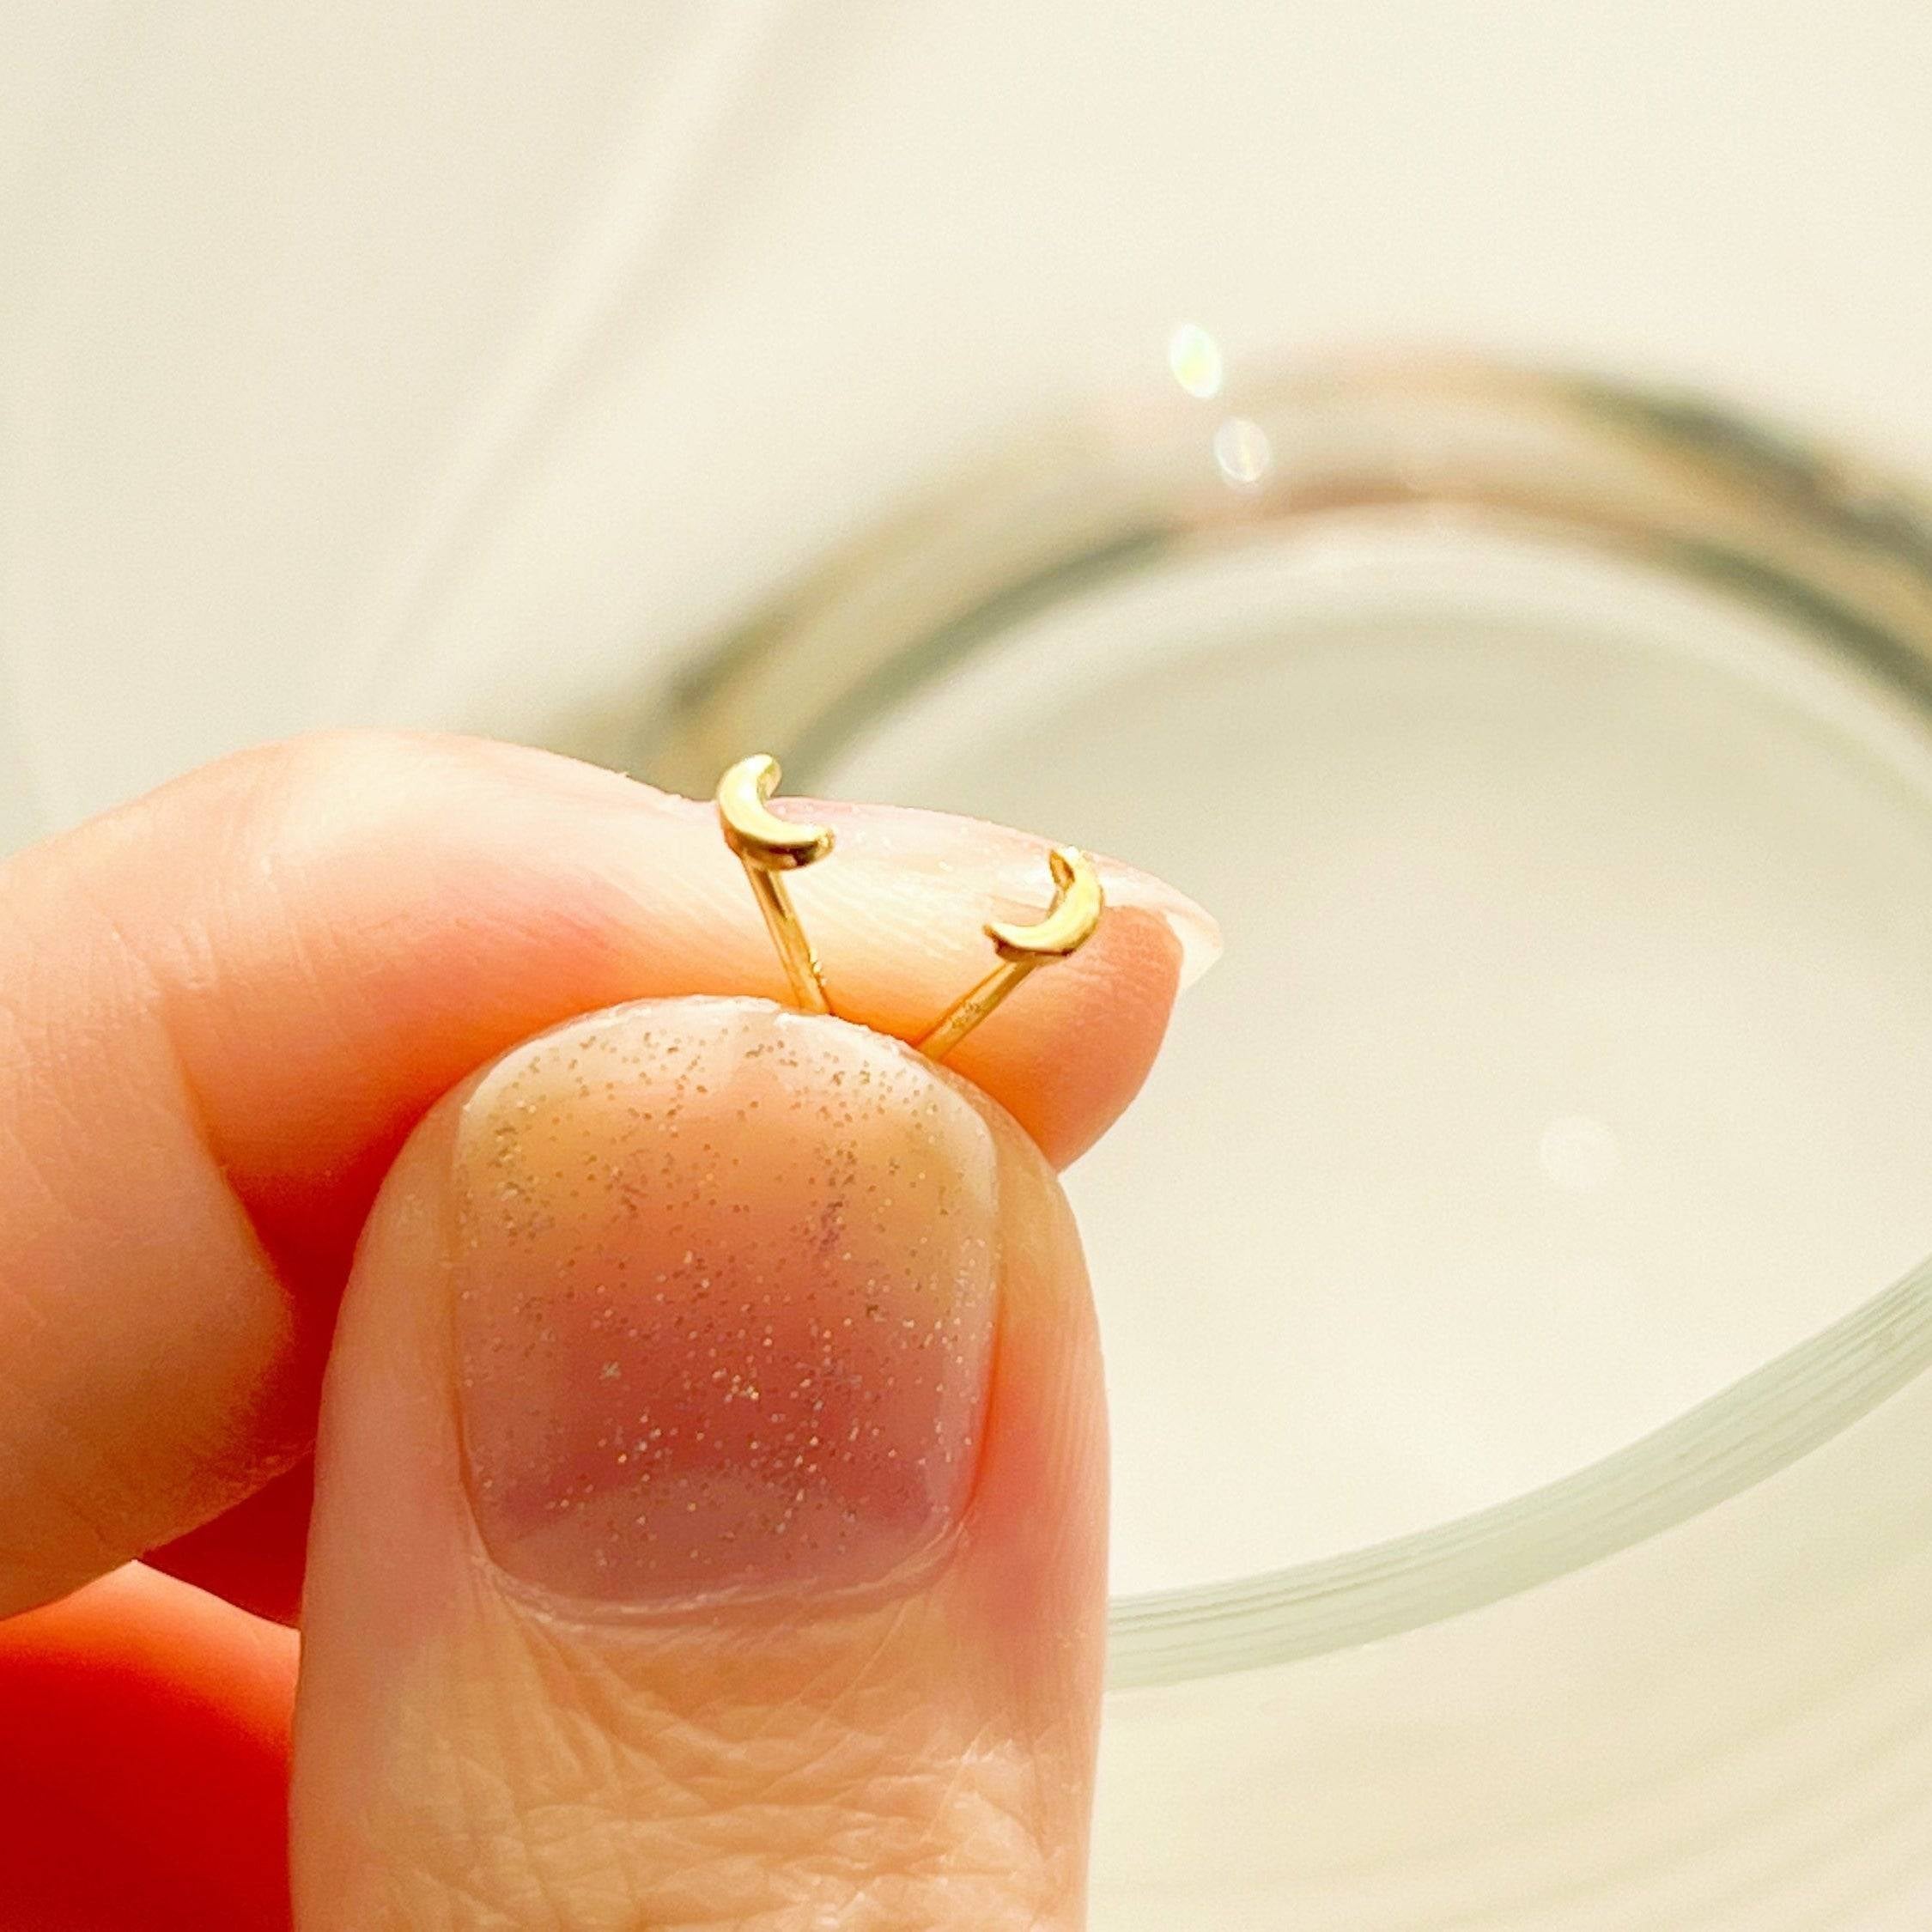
(766, 846)
(1078, 902)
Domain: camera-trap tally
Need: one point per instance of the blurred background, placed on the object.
(1512, 1284)
(374, 363)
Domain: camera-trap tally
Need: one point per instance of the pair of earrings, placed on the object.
(768, 847)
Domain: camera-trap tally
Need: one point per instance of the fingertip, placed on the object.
(713, 1456)
(1067, 1054)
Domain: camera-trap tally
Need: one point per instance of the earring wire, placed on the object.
(1078, 902)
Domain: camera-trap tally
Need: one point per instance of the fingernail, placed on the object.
(724, 1288)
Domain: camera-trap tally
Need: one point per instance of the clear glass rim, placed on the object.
(1673, 481)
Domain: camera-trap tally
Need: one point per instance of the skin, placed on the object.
(248, 1019)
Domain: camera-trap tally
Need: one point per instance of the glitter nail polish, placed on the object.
(725, 1293)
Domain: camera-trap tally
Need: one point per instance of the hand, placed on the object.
(710, 1500)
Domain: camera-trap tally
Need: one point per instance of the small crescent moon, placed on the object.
(757, 835)
(1078, 902)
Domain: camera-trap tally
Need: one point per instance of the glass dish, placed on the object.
(1512, 1284)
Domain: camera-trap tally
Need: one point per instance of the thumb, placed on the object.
(711, 1506)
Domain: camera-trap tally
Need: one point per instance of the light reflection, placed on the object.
(1195, 357)
(1242, 451)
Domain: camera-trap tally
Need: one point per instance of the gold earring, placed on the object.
(766, 846)
(1078, 902)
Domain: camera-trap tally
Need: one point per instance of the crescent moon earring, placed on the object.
(1078, 902)
(768, 847)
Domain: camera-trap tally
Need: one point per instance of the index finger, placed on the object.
(226, 1005)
